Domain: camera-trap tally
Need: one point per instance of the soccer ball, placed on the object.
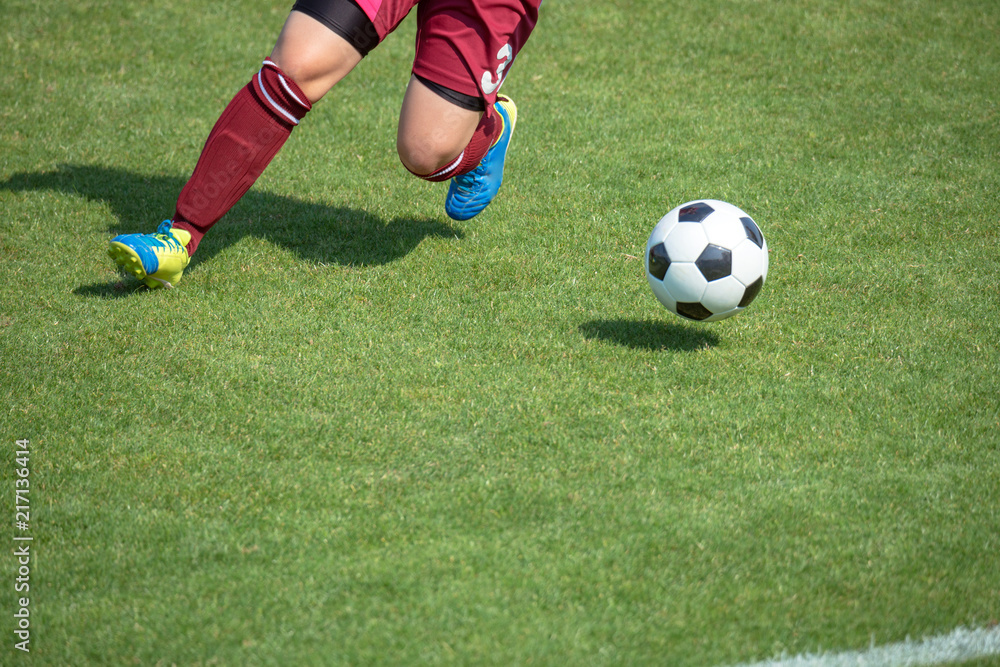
(706, 260)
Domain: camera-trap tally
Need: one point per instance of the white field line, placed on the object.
(958, 646)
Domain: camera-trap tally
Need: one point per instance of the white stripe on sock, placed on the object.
(288, 89)
(451, 167)
(274, 105)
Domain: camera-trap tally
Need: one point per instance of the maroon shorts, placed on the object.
(466, 46)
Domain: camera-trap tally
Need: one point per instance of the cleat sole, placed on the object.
(126, 259)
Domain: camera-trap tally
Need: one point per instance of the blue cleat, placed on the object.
(156, 259)
(472, 192)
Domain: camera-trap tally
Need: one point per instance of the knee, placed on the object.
(426, 152)
(312, 55)
(314, 80)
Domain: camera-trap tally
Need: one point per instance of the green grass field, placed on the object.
(362, 433)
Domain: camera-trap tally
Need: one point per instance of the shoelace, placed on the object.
(469, 182)
(165, 234)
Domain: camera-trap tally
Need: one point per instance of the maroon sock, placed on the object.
(486, 134)
(245, 139)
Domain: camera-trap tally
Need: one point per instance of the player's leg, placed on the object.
(308, 59)
(440, 139)
(464, 50)
(306, 62)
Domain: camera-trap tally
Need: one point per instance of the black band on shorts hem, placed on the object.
(345, 18)
(469, 102)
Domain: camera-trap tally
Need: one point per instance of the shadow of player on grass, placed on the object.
(315, 232)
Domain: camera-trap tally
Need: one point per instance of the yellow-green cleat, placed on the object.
(156, 259)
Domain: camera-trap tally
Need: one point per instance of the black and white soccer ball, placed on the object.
(706, 260)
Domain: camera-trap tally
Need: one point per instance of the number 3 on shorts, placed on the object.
(505, 55)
